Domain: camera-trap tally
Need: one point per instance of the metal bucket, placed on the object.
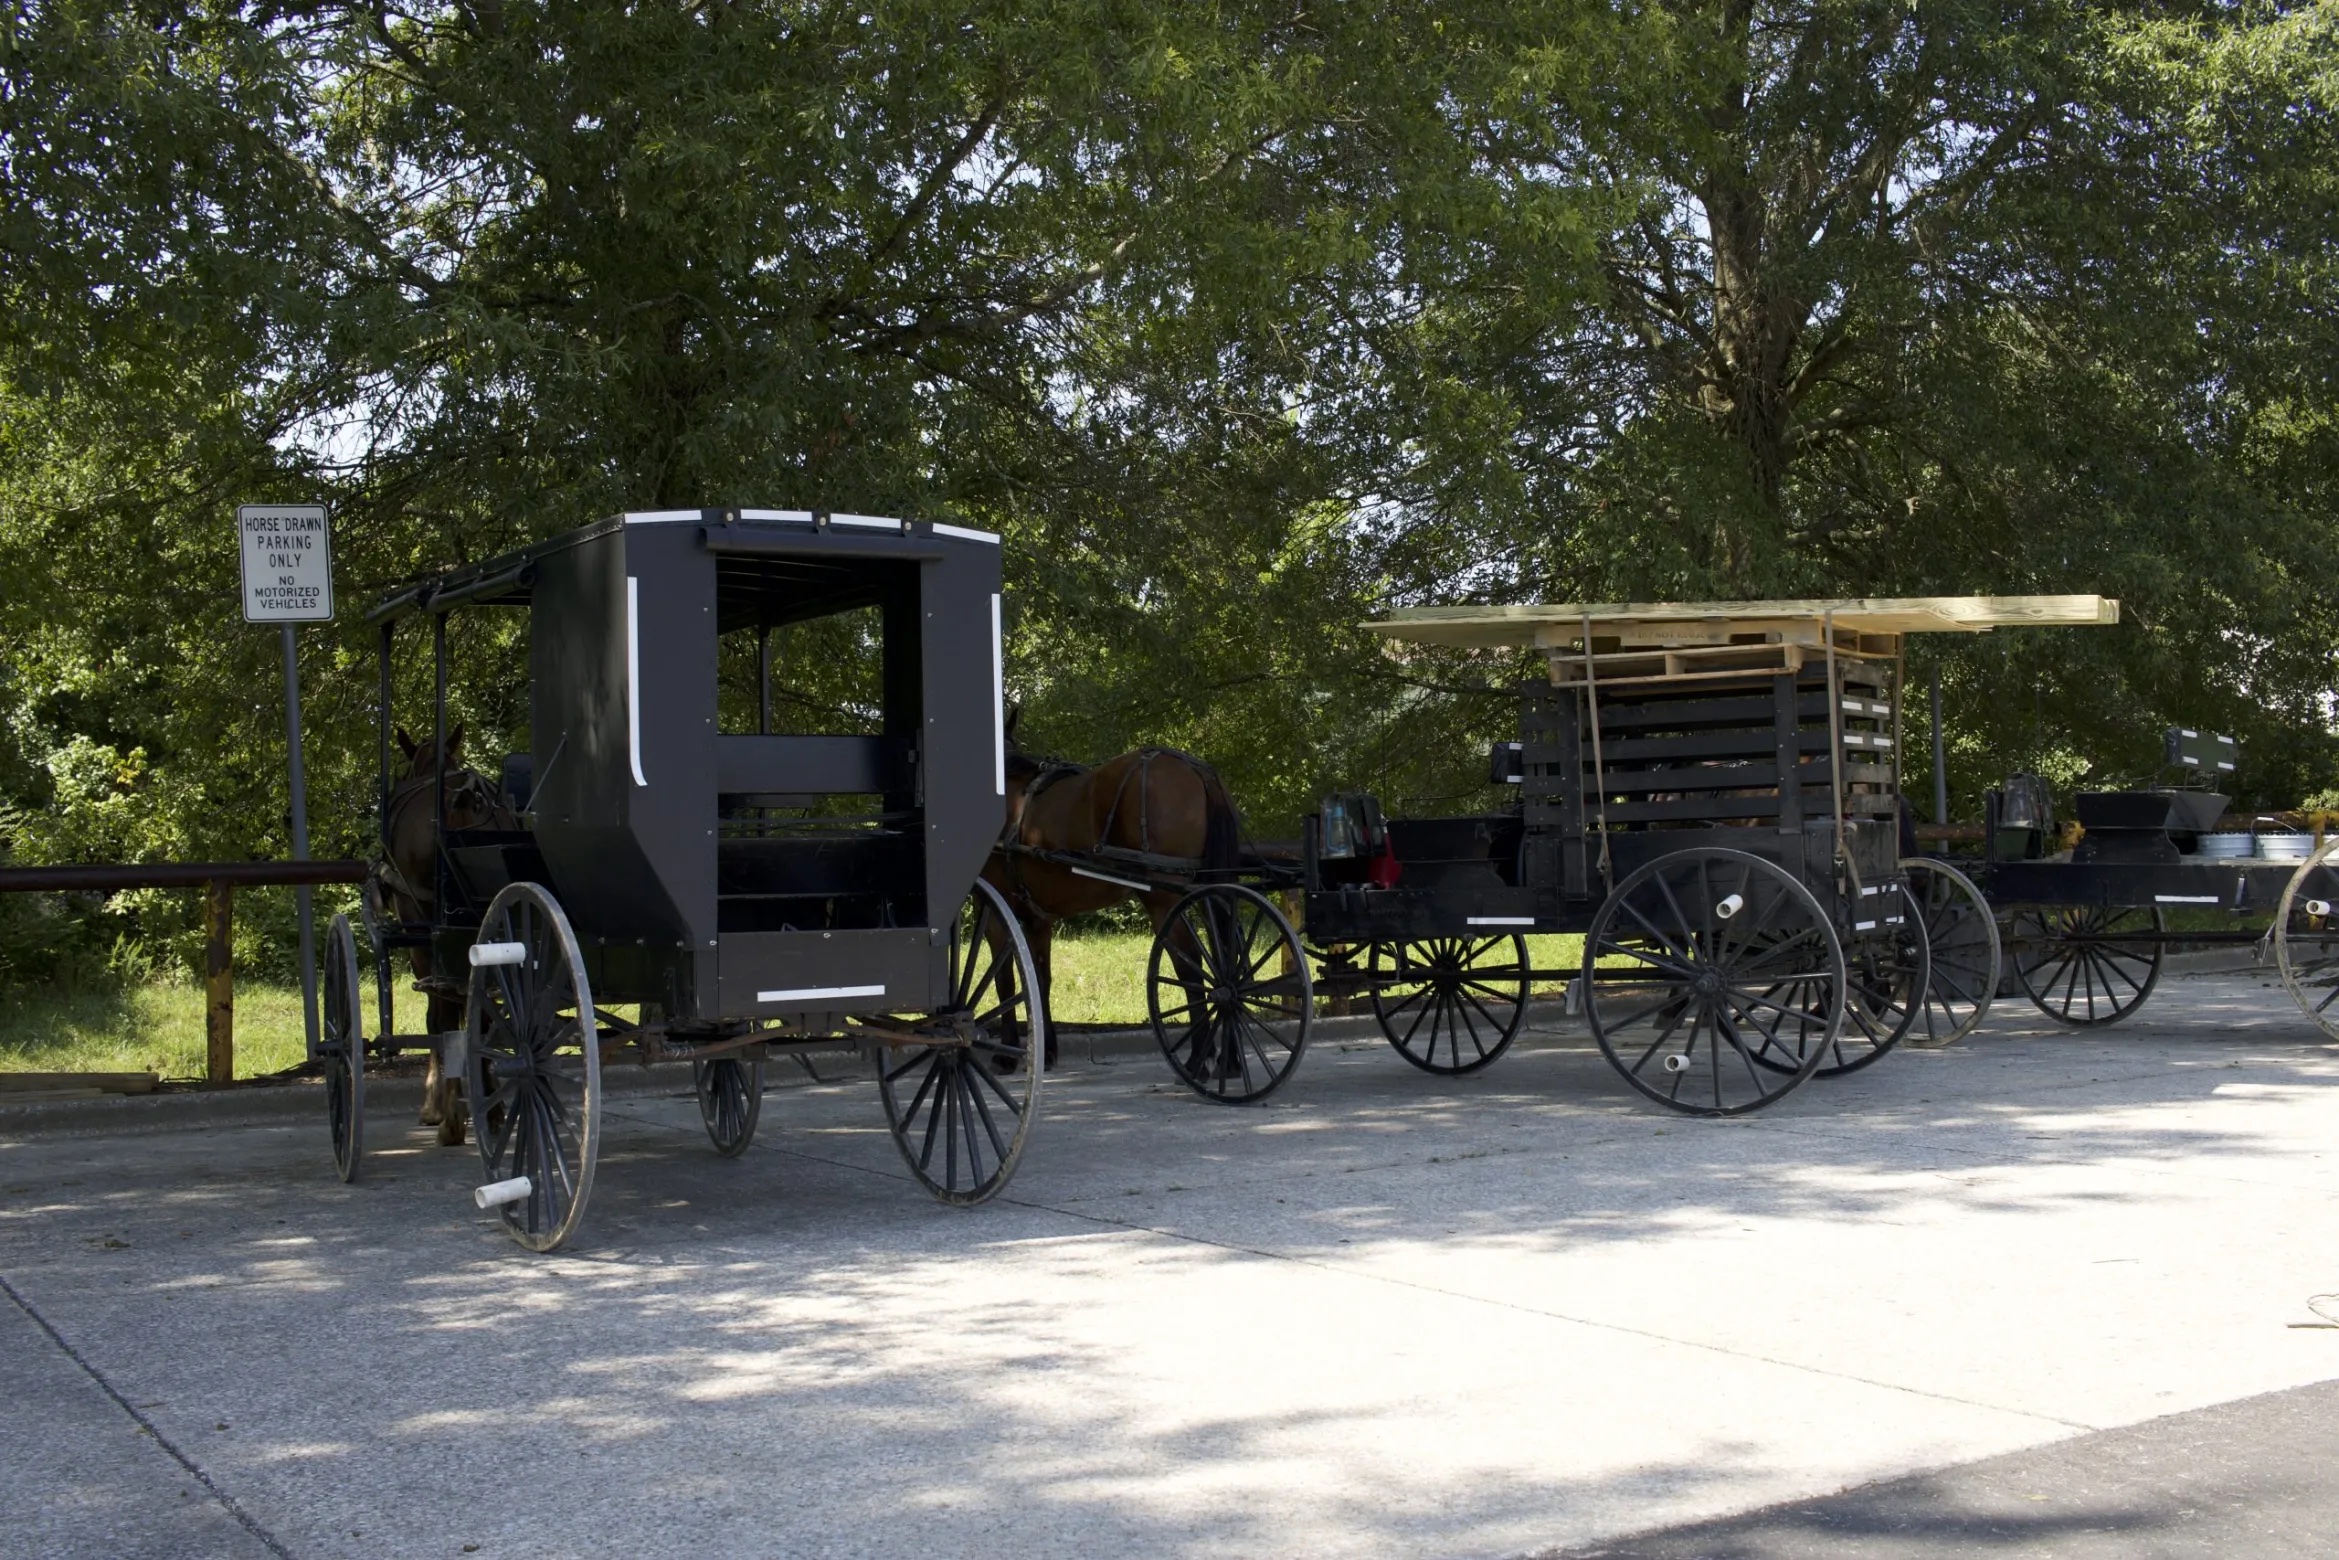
(2228, 847)
(2285, 847)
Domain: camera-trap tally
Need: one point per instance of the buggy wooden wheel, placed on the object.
(2306, 940)
(1713, 981)
(962, 1108)
(533, 1075)
(1464, 996)
(2087, 965)
(730, 1099)
(341, 1048)
(1230, 993)
(1967, 961)
(1888, 966)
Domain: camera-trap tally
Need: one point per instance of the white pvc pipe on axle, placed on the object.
(497, 1193)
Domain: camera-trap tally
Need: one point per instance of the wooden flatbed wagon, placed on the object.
(750, 886)
(1708, 793)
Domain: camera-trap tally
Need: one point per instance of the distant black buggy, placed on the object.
(762, 873)
(2089, 922)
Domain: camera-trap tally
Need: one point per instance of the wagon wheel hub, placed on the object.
(1707, 983)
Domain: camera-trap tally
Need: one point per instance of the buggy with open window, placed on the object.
(754, 876)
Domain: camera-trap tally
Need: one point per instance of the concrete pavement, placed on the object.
(1384, 1314)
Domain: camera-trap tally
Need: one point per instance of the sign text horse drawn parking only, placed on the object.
(754, 877)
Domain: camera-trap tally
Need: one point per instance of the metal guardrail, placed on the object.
(219, 880)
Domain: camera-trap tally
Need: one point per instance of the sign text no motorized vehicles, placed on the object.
(288, 563)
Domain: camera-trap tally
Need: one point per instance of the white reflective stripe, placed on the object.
(2186, 899)
(486, 955)
(633, 676)
(1863, 926)
(998, 703)
(1104, 877)
(496, 1193)
(867, 522)
(2182, 732)
(965, 535)
(791, 516)
(664, 516)
(1500, 920)
(819, 993)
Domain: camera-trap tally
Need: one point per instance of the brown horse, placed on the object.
(1155, 800)
(410, 838)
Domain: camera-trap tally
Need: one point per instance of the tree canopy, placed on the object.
(1240, 321)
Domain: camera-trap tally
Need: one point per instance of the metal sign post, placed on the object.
(287, 552)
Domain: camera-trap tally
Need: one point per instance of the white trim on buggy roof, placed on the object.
(664, 516)
(789, 516)
(965, 535)
(867, 522)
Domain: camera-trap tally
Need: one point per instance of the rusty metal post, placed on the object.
(219, 991)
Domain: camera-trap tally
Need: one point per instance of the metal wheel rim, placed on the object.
(2313, 983)
(1231, 1029)
(341, 1050)
(730, 1101)
(534, 1082)
(1458, 994)
(1763, 984)
(2063, 967)
(975, 1101)
(1968, 960)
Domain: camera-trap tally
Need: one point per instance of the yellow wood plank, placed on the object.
(1557, 623)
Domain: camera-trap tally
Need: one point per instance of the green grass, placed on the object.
(1100, 975)
(158, 1027)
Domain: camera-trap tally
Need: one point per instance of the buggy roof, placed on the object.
(509, 579)
(1658, 622)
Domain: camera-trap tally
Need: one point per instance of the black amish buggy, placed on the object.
(756, 879)
(2091, 920)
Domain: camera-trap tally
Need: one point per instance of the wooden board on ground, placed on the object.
(50, 1084)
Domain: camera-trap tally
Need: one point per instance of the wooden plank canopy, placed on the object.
(1720, 622)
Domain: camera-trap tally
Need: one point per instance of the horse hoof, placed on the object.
(451, 1130)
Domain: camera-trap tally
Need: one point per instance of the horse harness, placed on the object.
(1011, 850)
(465, 786)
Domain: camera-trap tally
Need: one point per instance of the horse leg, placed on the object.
(1210, 1053)
(442, 1100)
(430, 1115)
(1042, 937)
